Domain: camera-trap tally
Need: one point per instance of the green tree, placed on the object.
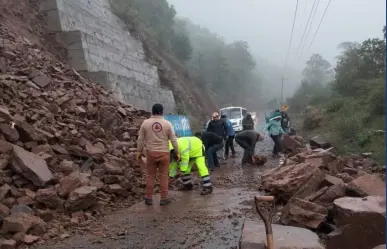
(354, 100)
(314, 88)
(154, 17)
(317, 70)
(227, 70)
(359, 62)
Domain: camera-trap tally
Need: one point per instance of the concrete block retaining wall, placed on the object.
(100, 47)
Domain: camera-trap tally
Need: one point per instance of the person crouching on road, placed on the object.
(155, 133)
(230, 138)
(247, 140)
(212, 143)
(275, 131)
(192, 152)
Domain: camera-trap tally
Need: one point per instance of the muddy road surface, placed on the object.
(191, 221)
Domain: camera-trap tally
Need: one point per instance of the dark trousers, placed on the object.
(212, 157)
(248, 150)
(229, 145)
(277, 144)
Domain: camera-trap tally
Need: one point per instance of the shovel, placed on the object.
(266, 220)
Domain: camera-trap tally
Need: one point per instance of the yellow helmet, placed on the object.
(284, 107)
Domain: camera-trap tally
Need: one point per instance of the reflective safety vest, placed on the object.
(189, 147)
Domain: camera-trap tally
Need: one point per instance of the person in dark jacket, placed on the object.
(247, 140)
(230, 137)
(212, 144)
(217, 126)
(248, 123)
(285, 121)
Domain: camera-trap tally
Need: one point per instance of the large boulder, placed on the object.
(49, 197)
(330, 194)
(320, 141)
(81, 198)
(23, 223)
(284, 182)
(305, 213)
(72, 182)
(361, 223)
(367, 185)
(31, 166)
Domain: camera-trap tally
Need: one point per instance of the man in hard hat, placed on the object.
(191, 152)
(285, 121)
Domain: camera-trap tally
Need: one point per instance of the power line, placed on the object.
(309, 29)
(306, 26)
(318, 28)
(287, 54)
(291, 37)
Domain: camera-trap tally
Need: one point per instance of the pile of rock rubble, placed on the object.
(67, 148)
(341, 198)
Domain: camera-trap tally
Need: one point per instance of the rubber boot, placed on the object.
(206, 190)
(165, 202)
(186, 187)
(148, 201)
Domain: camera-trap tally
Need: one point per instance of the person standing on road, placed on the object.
(212, 143)
(155, 133)
(217, 126)
(275, 131)
(230, 138)
(248, 123)
(285, 121)
(192, 152)
(247, 140)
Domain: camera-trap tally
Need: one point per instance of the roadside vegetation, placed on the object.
(351, 96)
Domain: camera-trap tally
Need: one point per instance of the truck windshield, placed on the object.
(233, 113)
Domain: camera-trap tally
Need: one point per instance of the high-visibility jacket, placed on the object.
(189, 147)
(192, 152)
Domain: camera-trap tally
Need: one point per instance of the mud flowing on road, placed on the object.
(191, 221)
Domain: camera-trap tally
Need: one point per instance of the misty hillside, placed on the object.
(271, 78)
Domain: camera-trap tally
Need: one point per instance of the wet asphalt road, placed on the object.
(191, 221)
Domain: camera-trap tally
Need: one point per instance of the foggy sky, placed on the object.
(266, 24)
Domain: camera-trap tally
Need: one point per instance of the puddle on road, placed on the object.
(211, 205)
(191, 221)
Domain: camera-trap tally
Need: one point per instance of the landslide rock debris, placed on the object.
(341, 198)
(66, 146)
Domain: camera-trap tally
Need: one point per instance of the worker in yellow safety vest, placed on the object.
(191, 152)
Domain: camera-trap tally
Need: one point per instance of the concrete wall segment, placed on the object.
(101, 48)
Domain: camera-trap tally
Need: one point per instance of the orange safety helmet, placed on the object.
(284, 107)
